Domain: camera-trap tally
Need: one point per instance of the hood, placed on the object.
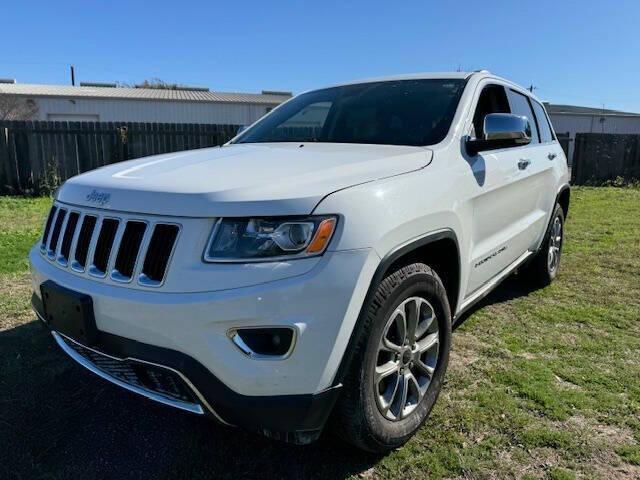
(239, 180)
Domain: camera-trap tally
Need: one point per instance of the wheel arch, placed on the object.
(440, 250)
(563, 198)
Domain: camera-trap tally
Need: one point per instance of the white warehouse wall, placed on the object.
(158, 111)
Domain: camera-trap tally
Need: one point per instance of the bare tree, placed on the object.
(13, 107)
(156, 83)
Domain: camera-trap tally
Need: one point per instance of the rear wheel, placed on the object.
(401, 356)
(543, 269)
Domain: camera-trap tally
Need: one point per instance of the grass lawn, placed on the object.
(541, 384)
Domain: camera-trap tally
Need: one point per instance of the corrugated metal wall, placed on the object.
(592, 123)
(115, 110)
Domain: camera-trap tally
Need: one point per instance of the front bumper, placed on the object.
(288, 399)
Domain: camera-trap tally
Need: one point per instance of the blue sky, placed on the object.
(578, 52)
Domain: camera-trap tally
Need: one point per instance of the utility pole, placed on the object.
(73, 76)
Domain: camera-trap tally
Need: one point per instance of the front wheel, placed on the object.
(401, 356)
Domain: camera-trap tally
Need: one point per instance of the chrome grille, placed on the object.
(69, 231)
(104, 245)
(55, 234)
(122, 249)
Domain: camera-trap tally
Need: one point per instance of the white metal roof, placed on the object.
(34, 90)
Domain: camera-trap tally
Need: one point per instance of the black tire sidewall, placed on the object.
(557, 213)
(386, 433)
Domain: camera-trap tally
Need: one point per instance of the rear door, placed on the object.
(553, 162)
(536, 175)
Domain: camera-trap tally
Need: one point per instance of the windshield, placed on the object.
(402, 112)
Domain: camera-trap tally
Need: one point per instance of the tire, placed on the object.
(372, 415)
(541, 271)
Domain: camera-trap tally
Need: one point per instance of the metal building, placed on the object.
(568, 120)
(108, 103)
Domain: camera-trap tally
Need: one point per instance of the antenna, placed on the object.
(73, 75)
(532, 87)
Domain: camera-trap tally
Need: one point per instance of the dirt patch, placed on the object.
(464, 352)
(14, 310)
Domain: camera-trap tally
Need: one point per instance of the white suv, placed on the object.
(308, 271)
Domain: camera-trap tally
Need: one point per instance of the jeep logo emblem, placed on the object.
(99, 198)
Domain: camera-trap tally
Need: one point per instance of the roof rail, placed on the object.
(483, 70)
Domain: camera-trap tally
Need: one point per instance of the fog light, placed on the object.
(264, 342)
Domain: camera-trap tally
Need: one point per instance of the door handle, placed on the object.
(523, 163)
(551, 156)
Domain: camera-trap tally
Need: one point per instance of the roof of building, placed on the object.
(575, 110)
(186, 95)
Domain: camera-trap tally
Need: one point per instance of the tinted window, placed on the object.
(493, 99)
(403, 112)
(520, 106)
(546, 133)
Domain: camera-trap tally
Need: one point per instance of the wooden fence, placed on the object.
(602, 157)
(36, 156)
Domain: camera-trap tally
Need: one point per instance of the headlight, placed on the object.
(271, 238)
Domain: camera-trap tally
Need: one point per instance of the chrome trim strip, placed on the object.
(115, 275)
(142, 277)
(48, 253)
(187, 406)
(93, 270)
(92, 248)
(190, 407)
(63, 230)
(75, 266)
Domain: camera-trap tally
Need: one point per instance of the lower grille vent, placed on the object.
(141, 375)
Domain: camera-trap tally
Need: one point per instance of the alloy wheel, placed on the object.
(555, 244)
(407, 358)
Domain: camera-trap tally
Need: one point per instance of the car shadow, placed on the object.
(514, 286)
(59, 421)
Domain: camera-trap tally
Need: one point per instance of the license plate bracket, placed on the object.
(69, 312)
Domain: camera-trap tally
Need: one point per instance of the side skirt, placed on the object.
(484, 290)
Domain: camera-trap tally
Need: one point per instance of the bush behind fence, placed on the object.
(35, 157)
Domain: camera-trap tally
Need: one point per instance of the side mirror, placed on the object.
(501, 130)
